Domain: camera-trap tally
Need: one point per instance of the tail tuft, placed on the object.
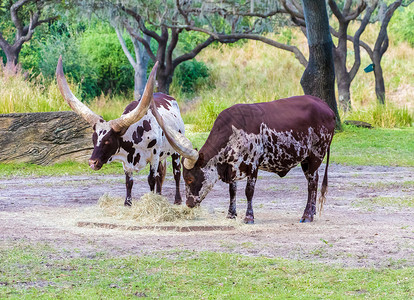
(324, 188)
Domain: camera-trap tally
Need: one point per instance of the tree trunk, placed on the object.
(319, 76)
(164, 81)
(140, 68)
(12, 56)
(139, 83)
(343, 82)
(379, 83)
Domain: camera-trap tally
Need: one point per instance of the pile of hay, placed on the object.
(149, 209)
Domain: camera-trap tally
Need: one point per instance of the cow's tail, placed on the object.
(324, 188)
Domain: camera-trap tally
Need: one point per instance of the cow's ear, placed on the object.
(200, 161)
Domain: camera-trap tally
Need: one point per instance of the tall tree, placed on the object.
(381, 45)
(319, 76)
(25, 16)
(345, 77)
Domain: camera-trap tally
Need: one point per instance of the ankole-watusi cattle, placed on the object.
(272, 136)
(135, 138)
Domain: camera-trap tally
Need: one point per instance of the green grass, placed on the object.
(379, 146)
(59, 169)
(29, 271)
(388, 201)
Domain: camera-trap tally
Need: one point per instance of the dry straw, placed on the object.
(151, 208)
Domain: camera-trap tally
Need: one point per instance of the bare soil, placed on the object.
(368, 219)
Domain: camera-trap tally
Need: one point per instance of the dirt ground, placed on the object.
(368, 219)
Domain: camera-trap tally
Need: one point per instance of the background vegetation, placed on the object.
(222, 75)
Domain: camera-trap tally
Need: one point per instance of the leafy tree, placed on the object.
(19, 21)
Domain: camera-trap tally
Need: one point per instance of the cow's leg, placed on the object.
(251, 181)
(160, 176)
(177, 175)
(232, 214)
(312, 176)
(151, 177)
(129, 182)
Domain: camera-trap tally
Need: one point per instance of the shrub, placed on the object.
(402, 24)
(190, 75)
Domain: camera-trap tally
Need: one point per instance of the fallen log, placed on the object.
(44, 138)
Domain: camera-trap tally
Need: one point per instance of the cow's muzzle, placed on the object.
(193, 202)
(95, 164)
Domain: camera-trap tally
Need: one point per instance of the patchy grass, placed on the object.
(386, 201)
(60, 169)
(380, 146)
(29, 271)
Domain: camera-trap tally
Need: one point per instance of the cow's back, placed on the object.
(296, 114)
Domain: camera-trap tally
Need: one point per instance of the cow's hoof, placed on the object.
(177, 202)
(248, 220)
(305, 220)
(231, 216)
(128, 202)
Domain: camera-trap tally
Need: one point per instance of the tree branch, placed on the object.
(356, 40)
(351, 38)
(124, 47)
(141, 24)
(141, 40)
(336, 11)
(354, 14)
(193, 53)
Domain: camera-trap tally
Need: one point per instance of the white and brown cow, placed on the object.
(135, 139)
(272, 136)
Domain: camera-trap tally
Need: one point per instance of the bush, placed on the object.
(114, 74)
(189, 75)
(402, 24)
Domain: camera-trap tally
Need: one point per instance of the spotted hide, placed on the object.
(142, 143)
(135, 138)
(272, 136)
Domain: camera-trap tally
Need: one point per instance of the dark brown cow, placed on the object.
(135, 139)
(272, 136)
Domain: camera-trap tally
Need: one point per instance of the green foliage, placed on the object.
(93, 56)
(402, 24)
(114, 74)
(30, 271)
(190, 75)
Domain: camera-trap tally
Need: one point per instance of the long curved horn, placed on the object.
(123, 122)
(77, 106)
(177, 140)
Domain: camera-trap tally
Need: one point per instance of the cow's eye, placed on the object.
(189, 180)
